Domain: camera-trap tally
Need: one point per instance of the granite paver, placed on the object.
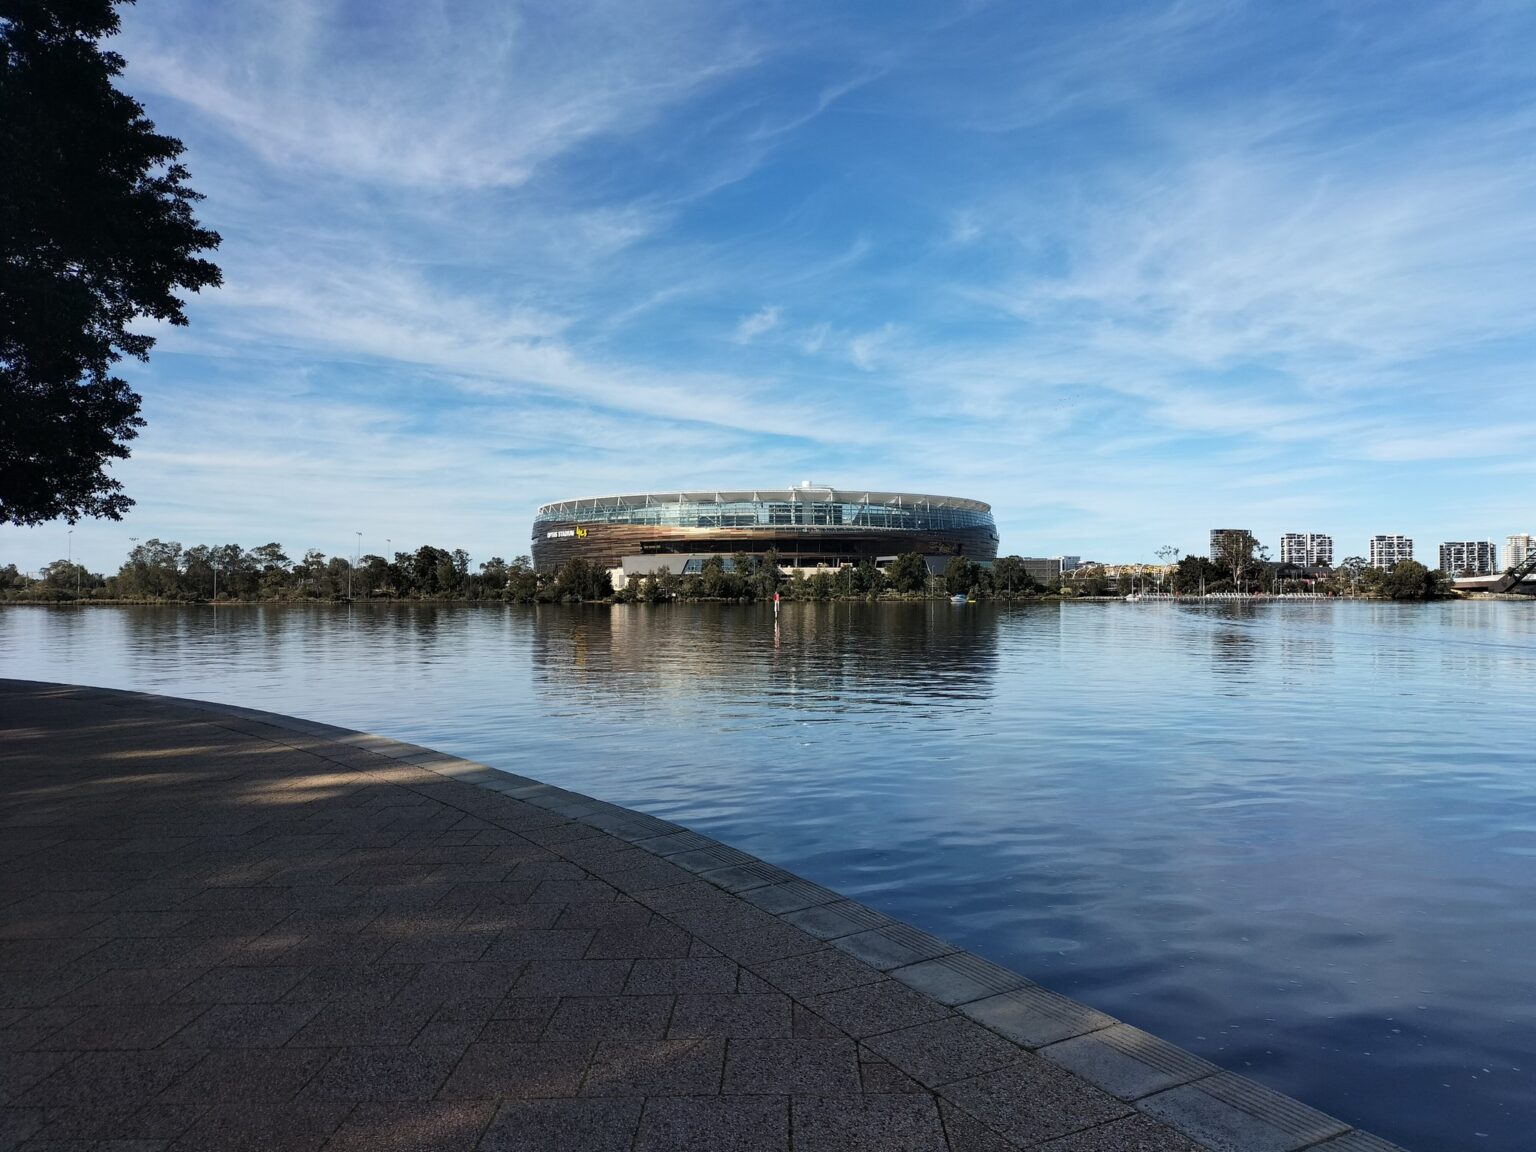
(563, 1126)
(871, 1123)
(683, 1067)
(222, 929)
(943, 1051)
(745, 1016)
(714, 1124)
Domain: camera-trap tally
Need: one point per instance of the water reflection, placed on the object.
(812, 657)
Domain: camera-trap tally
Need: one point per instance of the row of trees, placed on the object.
(1252, 571)
(164, 570)
(747, 577)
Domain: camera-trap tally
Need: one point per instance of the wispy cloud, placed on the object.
(867, 348)
(428, 95)
(749, 328)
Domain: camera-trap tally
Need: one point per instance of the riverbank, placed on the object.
(885, 598)
(223, 925)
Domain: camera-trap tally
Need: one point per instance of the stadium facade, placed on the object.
(809, 526)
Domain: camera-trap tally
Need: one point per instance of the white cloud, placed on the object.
(422, 94)
(751, 327)
(865, 349)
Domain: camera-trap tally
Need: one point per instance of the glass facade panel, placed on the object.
(746, 514)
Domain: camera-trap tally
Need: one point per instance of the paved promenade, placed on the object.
(221, 929)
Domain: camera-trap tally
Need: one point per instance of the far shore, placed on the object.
(394, 601)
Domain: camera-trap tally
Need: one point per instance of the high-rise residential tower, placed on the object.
(1472, 557)
(1229, 542)
(1388, 550)
(1517, 548)
(1307, 549)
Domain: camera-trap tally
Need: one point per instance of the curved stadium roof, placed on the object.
(819, 493)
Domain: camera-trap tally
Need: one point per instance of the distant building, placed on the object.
(1045, 570)
(1474, 557)
(1307, 549)
(1229, 542)
(1388, 550)
(1048, 569)
(1517, 548)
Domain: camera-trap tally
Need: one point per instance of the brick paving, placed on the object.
(225, 930)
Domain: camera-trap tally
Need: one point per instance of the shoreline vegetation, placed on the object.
(161, 572)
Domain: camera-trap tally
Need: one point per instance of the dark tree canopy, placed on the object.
(96, 231)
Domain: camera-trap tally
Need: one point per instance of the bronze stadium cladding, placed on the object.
(606, 544)
(827, 530)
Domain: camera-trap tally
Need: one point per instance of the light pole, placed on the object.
(71, 554)
(357, 554)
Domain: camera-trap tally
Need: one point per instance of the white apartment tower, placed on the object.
(1388, 550)
(1307, 549)
(1228, 542)
(1517, 548)
(1474, 557)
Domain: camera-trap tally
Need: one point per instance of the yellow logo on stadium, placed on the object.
(581, 531)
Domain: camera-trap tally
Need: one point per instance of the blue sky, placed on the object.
(1125, 271)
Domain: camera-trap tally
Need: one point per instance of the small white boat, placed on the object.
(958, 598)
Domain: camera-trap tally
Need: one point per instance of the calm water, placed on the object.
(1298, 839)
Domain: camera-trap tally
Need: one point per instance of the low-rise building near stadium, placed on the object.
(806, 527)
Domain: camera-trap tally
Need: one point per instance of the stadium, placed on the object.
(810, 526)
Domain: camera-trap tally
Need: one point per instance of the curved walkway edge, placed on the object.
(226, 928)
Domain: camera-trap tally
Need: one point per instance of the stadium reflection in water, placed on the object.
(821, 657)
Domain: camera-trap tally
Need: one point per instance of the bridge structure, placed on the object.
(1519, 580)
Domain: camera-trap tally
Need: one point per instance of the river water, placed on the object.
(1298, 839)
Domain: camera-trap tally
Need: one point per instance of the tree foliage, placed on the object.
(96, 232)
(908, 572)
(580, 579)
(961, 576)
(165, 570)
(1010, 578)
(1410, 580)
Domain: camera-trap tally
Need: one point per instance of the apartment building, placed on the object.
(1517, 548)
(1388, 550)
(1307, 549)
(1229, 542)
(1473, 557)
